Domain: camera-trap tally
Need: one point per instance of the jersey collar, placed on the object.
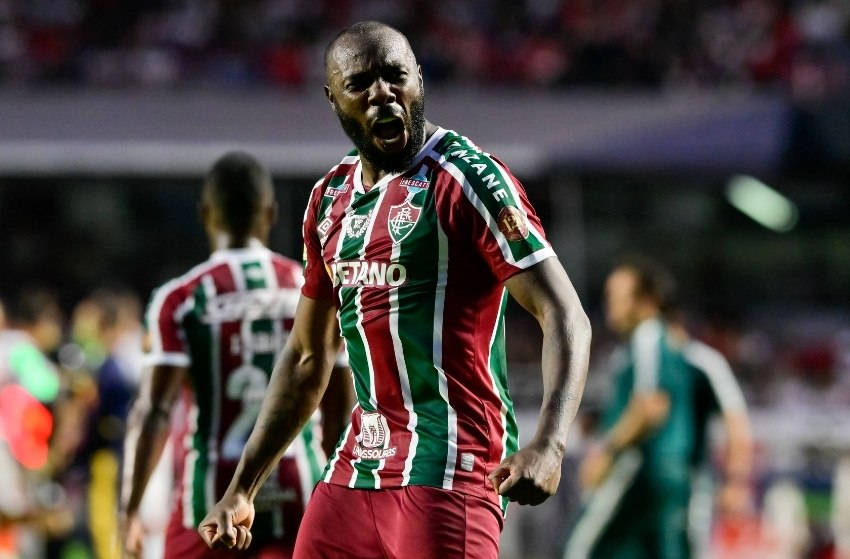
(254, 248)
(426, 149)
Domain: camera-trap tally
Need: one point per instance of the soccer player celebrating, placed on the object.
(212, 337)
(412, 243)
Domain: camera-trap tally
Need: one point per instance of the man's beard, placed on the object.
(388, 162)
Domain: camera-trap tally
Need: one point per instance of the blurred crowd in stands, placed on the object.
(800, 45)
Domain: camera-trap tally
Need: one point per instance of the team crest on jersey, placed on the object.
(512, 224)
(373, 441)
(356, 225)
(401, 220)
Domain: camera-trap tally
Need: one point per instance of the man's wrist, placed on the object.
(608, 446)
(737, 478)
(241, 487)
(549, 444)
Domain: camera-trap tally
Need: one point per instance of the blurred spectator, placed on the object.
(841, 509)
(37, 313)
(29, 388)
(102, 323)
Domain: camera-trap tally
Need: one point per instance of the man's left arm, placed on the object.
(532, 475)
(735, 495)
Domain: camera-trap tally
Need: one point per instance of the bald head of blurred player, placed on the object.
(237, 203)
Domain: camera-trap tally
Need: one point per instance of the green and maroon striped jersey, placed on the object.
(416, 264)
(226, 320)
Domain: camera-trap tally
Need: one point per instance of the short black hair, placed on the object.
(359, 28)
(238, 187)
(654, 280)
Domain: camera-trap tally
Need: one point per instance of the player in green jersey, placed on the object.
(413, 242)
(665, 385)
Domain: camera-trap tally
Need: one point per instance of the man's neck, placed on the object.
(225, 241)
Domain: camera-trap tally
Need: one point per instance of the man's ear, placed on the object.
(205, 213)
(329, 95)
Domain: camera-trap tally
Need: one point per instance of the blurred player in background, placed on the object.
(413, 242)
(212, 338)
(30, 386)
(104, 325)
(666, 387)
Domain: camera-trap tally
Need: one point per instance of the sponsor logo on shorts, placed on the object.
(512, 224)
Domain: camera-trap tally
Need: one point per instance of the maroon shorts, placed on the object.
(413, 522)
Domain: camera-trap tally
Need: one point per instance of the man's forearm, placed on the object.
(565, 360)
(740, 446)
(645, 412)
(295, 389)
(147, 434)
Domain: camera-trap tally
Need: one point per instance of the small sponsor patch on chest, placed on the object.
(334, 191)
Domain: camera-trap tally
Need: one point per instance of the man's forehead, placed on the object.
(384, 47)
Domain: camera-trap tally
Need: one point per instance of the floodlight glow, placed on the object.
(761, 203)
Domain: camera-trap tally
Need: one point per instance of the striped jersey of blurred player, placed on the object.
(212, 338)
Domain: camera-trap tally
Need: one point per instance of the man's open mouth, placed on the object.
(389, 130)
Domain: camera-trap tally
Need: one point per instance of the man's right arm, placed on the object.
(296, 386)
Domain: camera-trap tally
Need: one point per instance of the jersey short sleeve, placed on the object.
(165, 339)
(726, 392)
(493, 210)
(646, 350)
(317, 282)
